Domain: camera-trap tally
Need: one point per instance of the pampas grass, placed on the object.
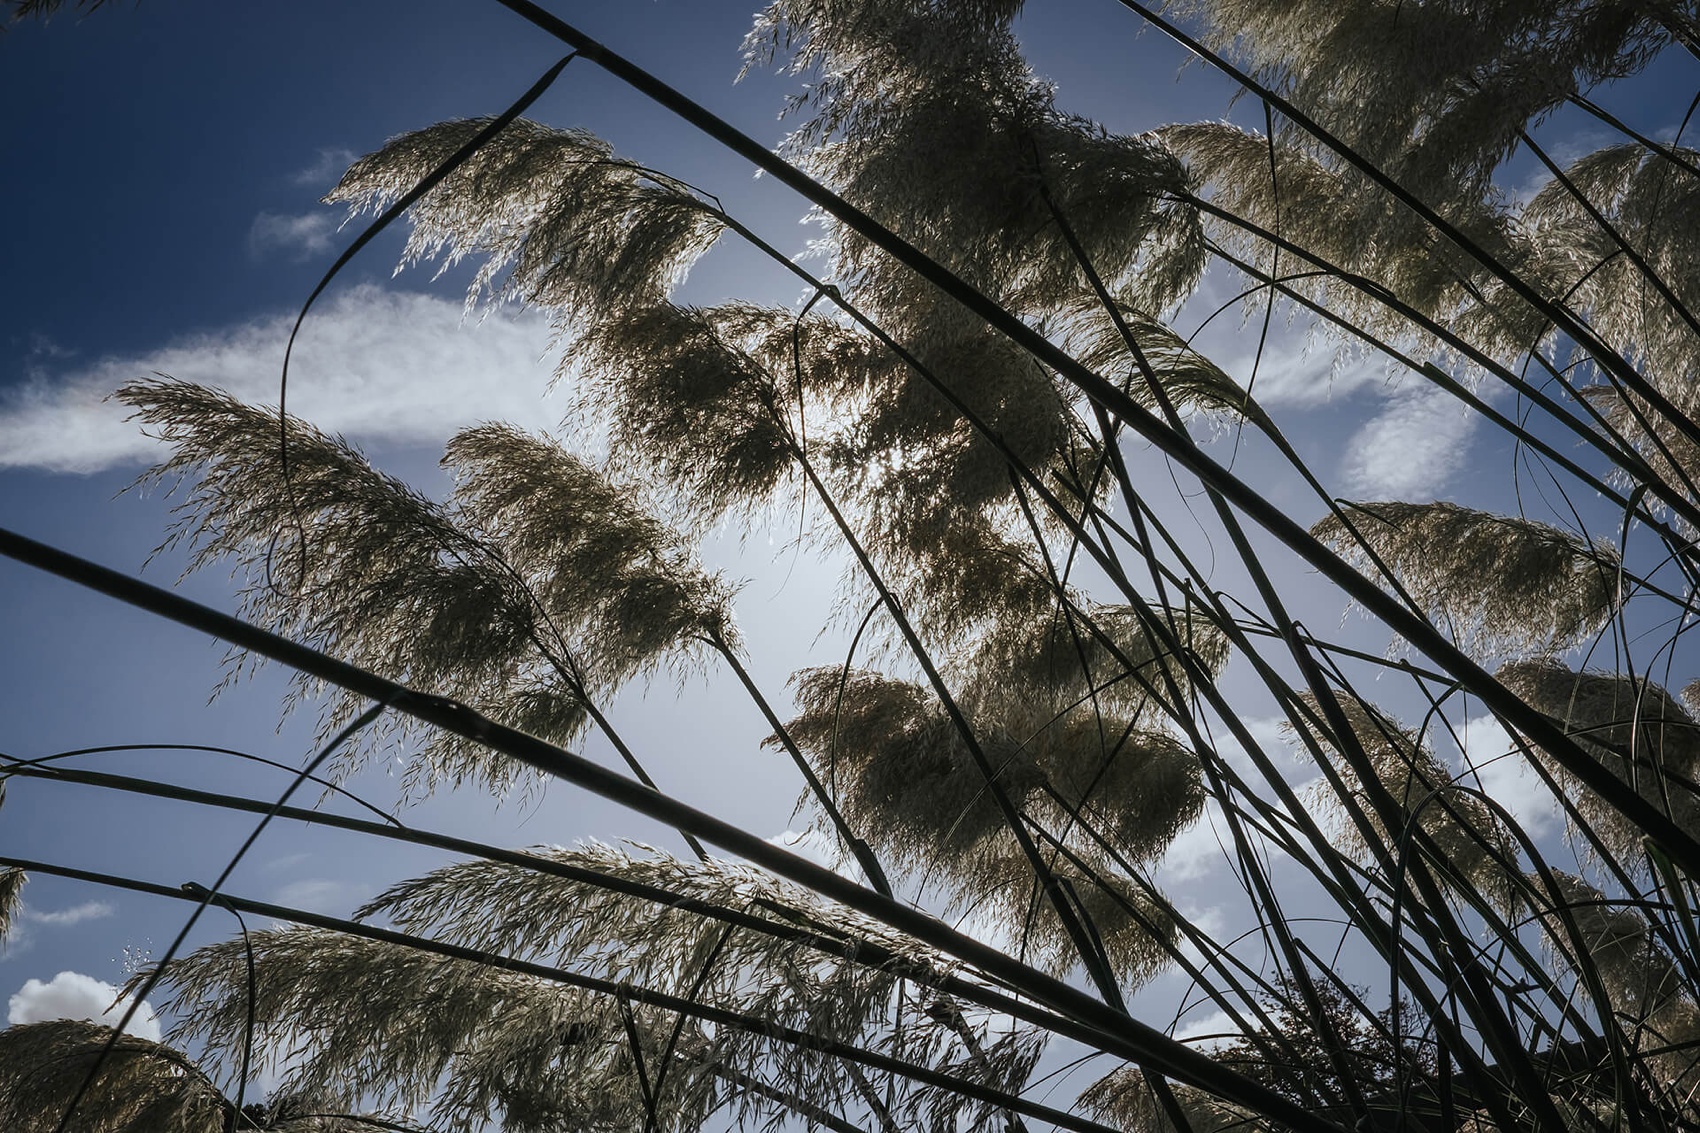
(522, 622)
(1496, 584)
(1634, 728)
(137, 1087)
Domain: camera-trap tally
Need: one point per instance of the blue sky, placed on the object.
(166, 161)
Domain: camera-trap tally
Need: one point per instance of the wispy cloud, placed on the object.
(298, 237)
(326, 170)
(64, 918)
(1207, 1031)
(1411, 448)
(1564, 149)
(1197, 850)
(1211, 923)
(372, 364)
(1269, 733)
(72, 995)
(322, 895)
(28, 923)
(1295, 367)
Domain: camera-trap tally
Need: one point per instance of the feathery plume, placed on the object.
(12, 882)
(431, 594)
(141, 1086)
(1634, 728)
(1496, 583)
(557, 218)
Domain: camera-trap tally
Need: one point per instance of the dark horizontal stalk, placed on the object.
(869, 954)
(365, 1119)
(823, 939)
(9, 766)
(815, 1114)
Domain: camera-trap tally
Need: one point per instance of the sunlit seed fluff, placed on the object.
(1672, 458)
(1136, 787)
(687, 406)
(596, 560)
(927, 115)
(977, 178)
(903, 773)
(458, 1041)
(900, 769)
(1334, 212)
(557, 218)
(467, 1043)
(1436, 98)
(1187, 379)
(12, 882)
(1435, 94)
(1113, 654)
(931, 488)
(1652, 202)
(417, 602)
(1134, 927)
(958, 574)
(1124, 1098)
(866, 55)
(1497, 584)
(617, 934)
(1000, 168)
(137, 1087)
(518, 619)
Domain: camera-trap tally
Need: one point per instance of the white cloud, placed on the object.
(1268, 732)
(1299, 367)
(286, 861)
(1206, 844)
(1210, 923)
(26, 924)
(1564, 149)
(1411, 448)
(822, 849)
(1295, 374)
(1506, 776)
(300, 237)
(1207, 1032)
(327, 169)
(321, 895)
(372, 364)
(1195, 851)
(72, 995)
(64, 918)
